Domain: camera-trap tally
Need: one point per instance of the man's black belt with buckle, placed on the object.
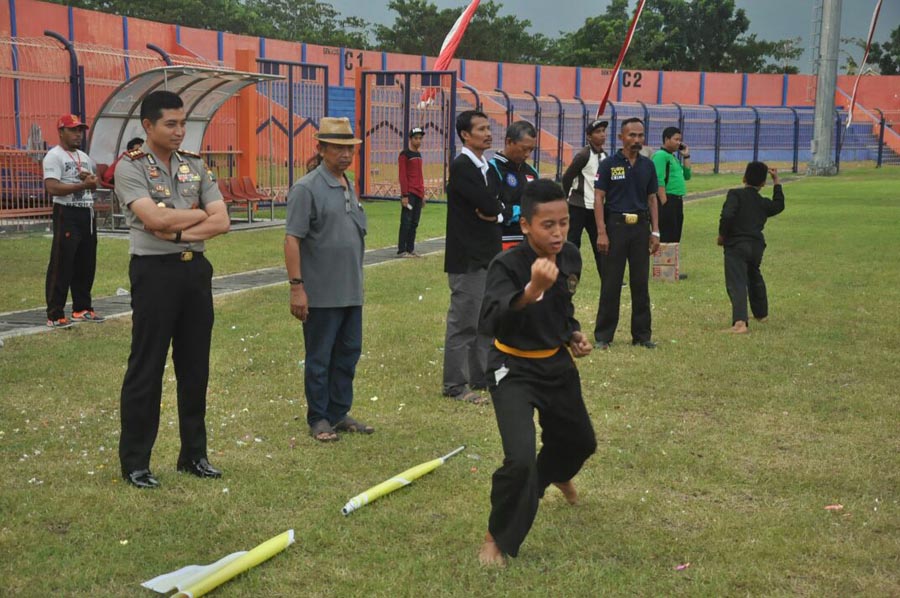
(629, 217)
(184, 256)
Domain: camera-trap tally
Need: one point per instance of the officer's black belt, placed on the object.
(184, 256)
(673, 196)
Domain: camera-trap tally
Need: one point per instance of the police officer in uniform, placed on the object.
(172, 205)
(514, 173)
(625, 209)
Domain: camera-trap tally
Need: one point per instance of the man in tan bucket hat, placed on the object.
(323, 252)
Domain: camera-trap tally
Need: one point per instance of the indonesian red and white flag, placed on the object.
(622, 52)
(862, 65)
(448, 48)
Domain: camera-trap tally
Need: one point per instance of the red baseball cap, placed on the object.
(69, 121)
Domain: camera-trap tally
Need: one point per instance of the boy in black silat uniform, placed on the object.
(528, 310)
(741, 226)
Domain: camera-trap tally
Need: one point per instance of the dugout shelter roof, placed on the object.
(203, 91)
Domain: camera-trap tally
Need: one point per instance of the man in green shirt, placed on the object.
(672, 175)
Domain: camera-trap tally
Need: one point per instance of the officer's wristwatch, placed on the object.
(295, 281)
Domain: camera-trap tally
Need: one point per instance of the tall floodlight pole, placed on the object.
(822, 163)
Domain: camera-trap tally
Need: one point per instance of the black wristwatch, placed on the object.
(177, 237)
(295, 281)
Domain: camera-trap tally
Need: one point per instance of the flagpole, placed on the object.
(622, 52)
(862, 64)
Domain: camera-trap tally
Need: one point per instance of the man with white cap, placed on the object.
(324, 245)
(412, 193)
(578, 183)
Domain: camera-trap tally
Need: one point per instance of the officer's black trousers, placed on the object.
(73, 260)
(743, 279)
(553, 387)
(580, 220)
(627, 243)
(172, 303)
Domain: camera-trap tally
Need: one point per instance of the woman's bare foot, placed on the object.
(740, 327)
(568, 490)
(490, 554)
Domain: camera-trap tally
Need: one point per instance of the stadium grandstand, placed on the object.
(57, 59)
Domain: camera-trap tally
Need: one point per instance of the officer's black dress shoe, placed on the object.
(141, 478)
(200, 468)
(645, 344)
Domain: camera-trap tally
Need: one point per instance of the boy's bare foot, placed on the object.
(740, 327)
(762, 320)
(568, 490)
(490, 554)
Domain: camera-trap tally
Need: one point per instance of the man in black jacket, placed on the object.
(473, 239)
(740, 231)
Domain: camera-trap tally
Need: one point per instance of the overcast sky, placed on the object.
(769, 19)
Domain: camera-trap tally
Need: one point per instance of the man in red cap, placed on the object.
(69, 176)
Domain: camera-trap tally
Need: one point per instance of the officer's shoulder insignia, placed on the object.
(135, 154)
(187, 153)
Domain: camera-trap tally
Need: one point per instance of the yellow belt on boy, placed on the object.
(533, 354)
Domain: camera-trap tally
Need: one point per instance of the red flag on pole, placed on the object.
(622, 52)
(451, 43)
(862, 64)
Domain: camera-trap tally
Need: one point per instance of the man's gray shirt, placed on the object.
(331, 225)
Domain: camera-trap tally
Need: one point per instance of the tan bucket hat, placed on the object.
(337, 131)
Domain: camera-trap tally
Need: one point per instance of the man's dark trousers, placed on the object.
(73, 260)
(332, 337)
(172, 303)
(409, 223)
(743, 279)
(581, 219)
(671, 219)
(631, 243)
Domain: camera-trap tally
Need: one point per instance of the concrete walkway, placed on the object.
(33, 321)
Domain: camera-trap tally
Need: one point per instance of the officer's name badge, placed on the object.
(617, 173)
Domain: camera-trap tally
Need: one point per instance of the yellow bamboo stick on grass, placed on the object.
(195, 581)
(400, 480)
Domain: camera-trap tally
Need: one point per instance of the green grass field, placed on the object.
(717, 451)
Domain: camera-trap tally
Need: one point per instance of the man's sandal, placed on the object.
(470, 396)
(348, 424)
(323, 432)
